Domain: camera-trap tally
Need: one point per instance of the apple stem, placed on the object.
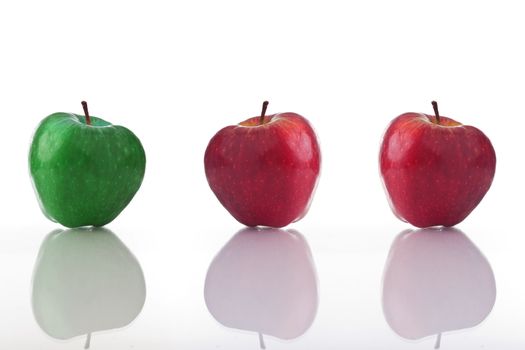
(436, 110)
(88, 341)
(263, 112)
(86, 112)
(261, 341)
(438, 342)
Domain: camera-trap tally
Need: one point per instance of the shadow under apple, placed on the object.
(264, 280)
(436, 280)
(85, 280)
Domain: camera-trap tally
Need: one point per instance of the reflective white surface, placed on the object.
(218, 288)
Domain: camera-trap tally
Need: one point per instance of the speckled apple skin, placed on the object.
(265, 174)
(84, 175)
(435, 174)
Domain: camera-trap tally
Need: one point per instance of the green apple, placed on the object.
(85, 170)
(85, 280)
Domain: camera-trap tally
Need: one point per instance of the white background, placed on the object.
(175, 72)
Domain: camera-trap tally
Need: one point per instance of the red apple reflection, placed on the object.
(264, 280)
(435, 281)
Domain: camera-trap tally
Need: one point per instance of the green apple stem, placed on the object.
(263, 112)
(438, 342)
(86, 112)
(436, 110)
(88, 341)
(261, 342)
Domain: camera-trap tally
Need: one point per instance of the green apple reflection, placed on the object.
(85, 280)
(264, 281)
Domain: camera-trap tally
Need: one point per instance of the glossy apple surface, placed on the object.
(436, 281)
(264, 174)
(84, 174)
(435, 173)
(263, 280)
(85, 280)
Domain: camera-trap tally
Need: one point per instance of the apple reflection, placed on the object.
(264, 280)
(436, 280)
(85, 280)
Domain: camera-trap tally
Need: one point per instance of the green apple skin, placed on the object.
(84, 174)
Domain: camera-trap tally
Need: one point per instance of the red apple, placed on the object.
(264, 170)
(435, 170)
(264, 280)
(436, 281)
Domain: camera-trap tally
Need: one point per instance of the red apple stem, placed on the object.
(88, 341)
(263, 112)
(436, 110)
(261, 341)
(86, 112)
(438, 342)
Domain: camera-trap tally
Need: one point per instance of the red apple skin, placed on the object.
(265, 174)
(435, 174)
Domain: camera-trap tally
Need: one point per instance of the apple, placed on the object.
(264, 280)
(436, 281)
(435, 170)
(85, 280)
(264, 170)
(85, 170)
